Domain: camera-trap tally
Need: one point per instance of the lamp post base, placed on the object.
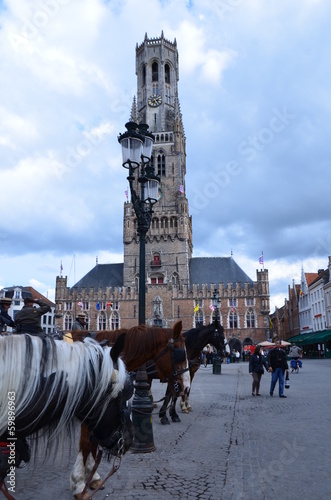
(142, 407)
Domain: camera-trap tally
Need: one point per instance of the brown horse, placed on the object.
(141, 344)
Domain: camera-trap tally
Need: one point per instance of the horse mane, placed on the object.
(77, 371)
(139, 340)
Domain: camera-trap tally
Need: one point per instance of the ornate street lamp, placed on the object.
(137, 145)
(216, 303)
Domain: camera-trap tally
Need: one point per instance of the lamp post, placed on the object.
(217, 361)
(137, 144)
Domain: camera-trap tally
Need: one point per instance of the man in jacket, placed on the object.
(277, 366)
(5, 319)
(79, 323)
(28, 318)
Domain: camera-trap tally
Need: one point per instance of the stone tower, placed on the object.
(169, 240)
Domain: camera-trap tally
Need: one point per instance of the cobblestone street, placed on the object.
(231, 446)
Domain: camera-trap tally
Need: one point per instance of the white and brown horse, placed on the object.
(45, 383)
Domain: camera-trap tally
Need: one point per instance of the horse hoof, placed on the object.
(165, 421)
(155, 405)
(176, 419)
(189, 408)
(97, 483)
(184, 410)
(80, 496)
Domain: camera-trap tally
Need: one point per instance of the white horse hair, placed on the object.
(83, 366)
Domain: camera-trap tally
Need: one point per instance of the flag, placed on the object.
(181, 189)
(126, 192)
(270, 324)
(98, 306)
(61, 269)
(109, 304)
(301, 293)
(261, 260)
(196, 309)
(80, 304)
(211, 307)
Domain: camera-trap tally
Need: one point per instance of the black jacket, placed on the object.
(277, 359)
(5, 319)
(256, 364)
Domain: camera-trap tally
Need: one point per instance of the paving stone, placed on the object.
(230, 447)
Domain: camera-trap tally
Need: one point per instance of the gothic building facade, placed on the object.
(178, 286)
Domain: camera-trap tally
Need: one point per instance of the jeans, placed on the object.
(277, 374)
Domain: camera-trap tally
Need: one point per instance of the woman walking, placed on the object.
(256, 363)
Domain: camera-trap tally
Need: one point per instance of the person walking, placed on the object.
(277, 366)
(28, 318)
(79, 323)
(256, 363)
(5, 319)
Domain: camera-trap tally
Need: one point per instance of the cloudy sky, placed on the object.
(254, 91)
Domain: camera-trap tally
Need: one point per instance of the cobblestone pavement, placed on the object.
(231, 446)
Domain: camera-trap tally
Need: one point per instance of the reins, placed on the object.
(116, 465)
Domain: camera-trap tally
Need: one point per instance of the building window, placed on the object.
(102, 321)
(68, 306)
(161, 165)
(17, 294)
(158, 322)
(198, 319)
(157, 280)
(155, 72)
(233, 320)
(144, 76)
(167, 73)
(249, 301)
(114, 322)
(67, 322)
(250, 319)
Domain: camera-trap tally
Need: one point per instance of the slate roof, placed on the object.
(203, 271)
(207, 270)
(103, 276)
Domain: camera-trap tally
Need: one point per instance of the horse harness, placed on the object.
(178, 355)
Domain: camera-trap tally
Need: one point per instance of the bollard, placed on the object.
(217, 366)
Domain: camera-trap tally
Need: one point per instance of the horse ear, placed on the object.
(117, 348)
(178, 328)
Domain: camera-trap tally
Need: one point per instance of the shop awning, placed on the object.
(311, 338)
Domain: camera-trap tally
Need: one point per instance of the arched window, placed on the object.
(198, 318)
(233, 320)
(175, 279)
(144, 76)
(67, 321)
(114, 321)
(161, 165)
(102, 323)
(167, 73)
(250, 319)
(155, 72)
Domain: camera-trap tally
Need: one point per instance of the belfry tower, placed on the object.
(169, 240)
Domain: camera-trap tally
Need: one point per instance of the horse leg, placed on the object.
(187, 401)
(183, 405)
(163, 410)
(83, 465)
(172, 410)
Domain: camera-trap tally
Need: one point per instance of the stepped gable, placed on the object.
(216, 270)
(102, 276)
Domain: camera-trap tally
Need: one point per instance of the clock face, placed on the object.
(154, 100)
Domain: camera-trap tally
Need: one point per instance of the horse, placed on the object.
(195, 340)
(46, 383)
(142, 343)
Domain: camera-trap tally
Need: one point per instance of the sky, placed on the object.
(254, 91)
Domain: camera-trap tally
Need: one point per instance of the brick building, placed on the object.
(178, 285)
